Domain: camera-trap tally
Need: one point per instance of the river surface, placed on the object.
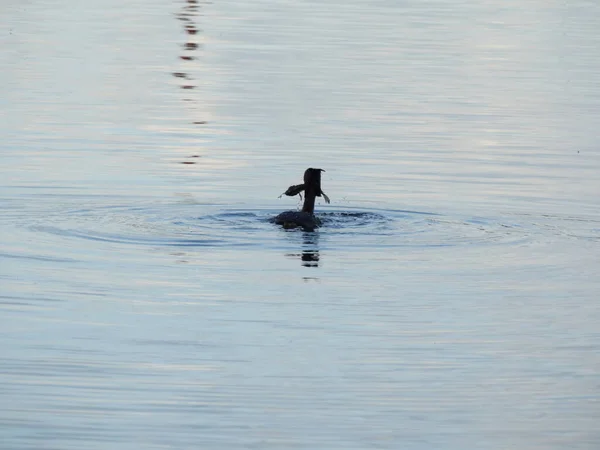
(449, 301)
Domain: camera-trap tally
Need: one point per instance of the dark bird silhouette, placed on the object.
(306, 217)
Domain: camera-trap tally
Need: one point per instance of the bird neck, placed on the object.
(310, 195)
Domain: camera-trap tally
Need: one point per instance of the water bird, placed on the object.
(306, 217)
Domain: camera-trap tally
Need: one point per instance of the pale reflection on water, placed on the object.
(448, 301)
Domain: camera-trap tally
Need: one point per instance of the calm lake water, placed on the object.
(450, 300)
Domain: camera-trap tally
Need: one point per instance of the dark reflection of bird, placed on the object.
(306, 217)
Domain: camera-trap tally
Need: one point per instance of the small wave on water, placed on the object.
(192, 225)
(405, 228)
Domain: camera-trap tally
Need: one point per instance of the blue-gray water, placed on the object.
(450, 301)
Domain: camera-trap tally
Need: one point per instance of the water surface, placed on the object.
(449, 301)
